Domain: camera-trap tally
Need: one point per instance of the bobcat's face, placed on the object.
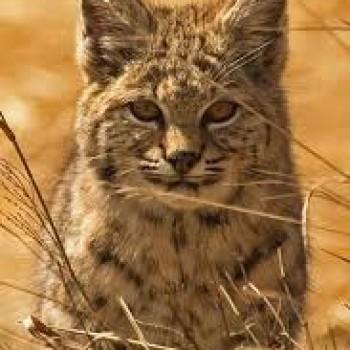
(163, 122)
(183, 150)
(180, 136)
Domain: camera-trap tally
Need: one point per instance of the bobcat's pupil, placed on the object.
(145, 110)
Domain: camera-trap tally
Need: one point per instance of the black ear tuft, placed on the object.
(113, 32)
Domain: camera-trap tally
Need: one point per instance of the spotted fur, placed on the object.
(170, 247)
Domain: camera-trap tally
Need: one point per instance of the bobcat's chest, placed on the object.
(168, 278)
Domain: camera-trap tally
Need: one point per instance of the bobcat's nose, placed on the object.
(182, 161)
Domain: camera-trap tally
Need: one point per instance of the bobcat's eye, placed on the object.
(220, 113)
(145, 111)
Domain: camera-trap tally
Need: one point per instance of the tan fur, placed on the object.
(129, 230)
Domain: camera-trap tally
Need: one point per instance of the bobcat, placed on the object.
(181, 195)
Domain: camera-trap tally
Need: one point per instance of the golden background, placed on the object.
(39, 84)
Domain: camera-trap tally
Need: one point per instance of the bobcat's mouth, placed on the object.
(184, 184)
(184, 193)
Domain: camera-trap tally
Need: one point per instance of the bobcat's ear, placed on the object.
(113, 32)
(256, 26)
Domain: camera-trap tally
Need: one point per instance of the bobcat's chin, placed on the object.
(190, 196)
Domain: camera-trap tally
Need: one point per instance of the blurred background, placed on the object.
(39, 85)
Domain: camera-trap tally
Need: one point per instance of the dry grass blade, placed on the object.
(47, 336)
(237, 314)
(323, 24)
(318, 184)
(268, 303)
(64, 269)
(284, 331)
(30, 292)
(58, 337)
(133, 322)
(11, 136)
(129, 192)
(229, 300)
(37, 328)
(308, 28)
(160, 327)
(292, 303)
(21, 217)
(335, 198)
(5, 128)
(126, 190)
(338, 256)
(306, 214)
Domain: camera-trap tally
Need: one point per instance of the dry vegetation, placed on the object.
(39, 85)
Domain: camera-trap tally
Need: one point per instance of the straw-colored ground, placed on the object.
(39, 83)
